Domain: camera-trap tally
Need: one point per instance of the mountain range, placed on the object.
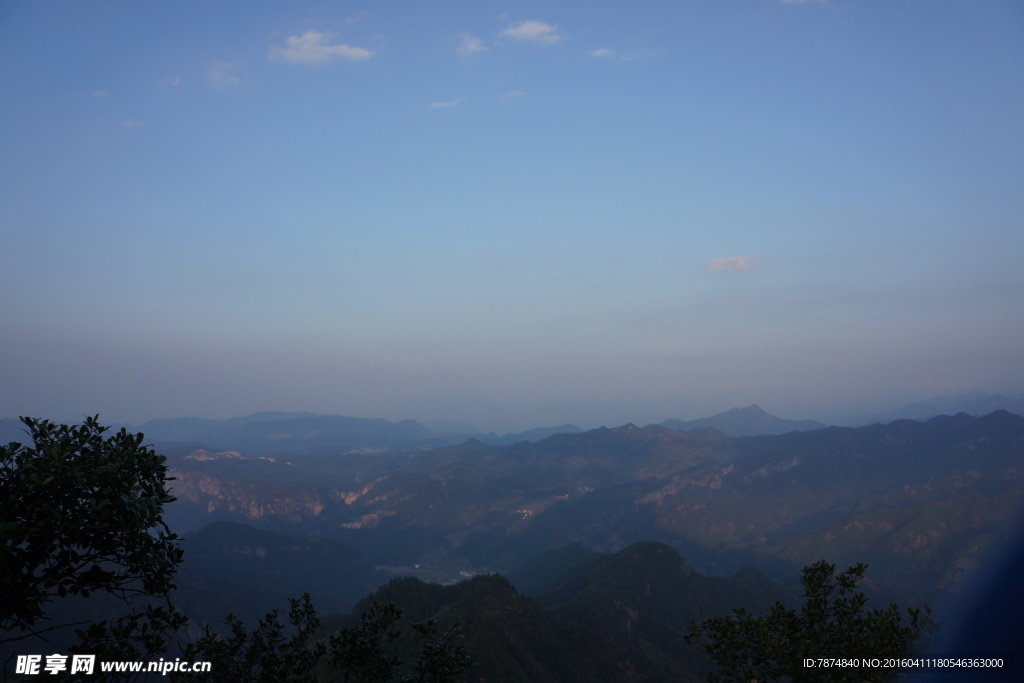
(266, 433)
(561, 551)
(975, 403)
(922, 502)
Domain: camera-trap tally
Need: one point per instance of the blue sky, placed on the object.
(508, 213)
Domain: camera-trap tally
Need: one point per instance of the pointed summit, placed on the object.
(753, 409)
(749, 421)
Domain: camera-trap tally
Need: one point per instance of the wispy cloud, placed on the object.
(531, 31)
(315, 48)
(173, 81)
(470, 46)
(224, 75)
(733, 264)
(358, 16)
(445, 105)
(608, 53)
(130, 123)
(99, 93)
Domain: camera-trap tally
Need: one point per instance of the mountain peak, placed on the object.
(752, 409)
(750, 421)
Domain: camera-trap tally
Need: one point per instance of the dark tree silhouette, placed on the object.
(81, 513)
(831, 624)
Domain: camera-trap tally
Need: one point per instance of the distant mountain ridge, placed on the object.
(749, 421)
(919, 501)
(276, 432)
(265, 433)
(531, 435)
(976, 403)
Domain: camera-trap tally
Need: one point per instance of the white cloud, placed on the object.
(470, 46)
(531, 31)
(733, 264)
(314, 47)
(129, 123)
(224, 75)
(173, 81)
(445, 105)
(358, 16)
(602, 52)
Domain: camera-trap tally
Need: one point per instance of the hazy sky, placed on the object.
(509, 213)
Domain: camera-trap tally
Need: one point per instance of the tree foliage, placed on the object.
(356, 654)
(264, 655)
(831, 624)
(442, 658)
(81, 512)
(361, 652)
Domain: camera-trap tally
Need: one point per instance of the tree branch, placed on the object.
(41, 631)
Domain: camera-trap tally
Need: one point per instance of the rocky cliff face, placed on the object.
(251, 500)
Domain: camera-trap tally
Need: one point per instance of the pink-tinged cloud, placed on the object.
(733, 264)
(470, 46)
